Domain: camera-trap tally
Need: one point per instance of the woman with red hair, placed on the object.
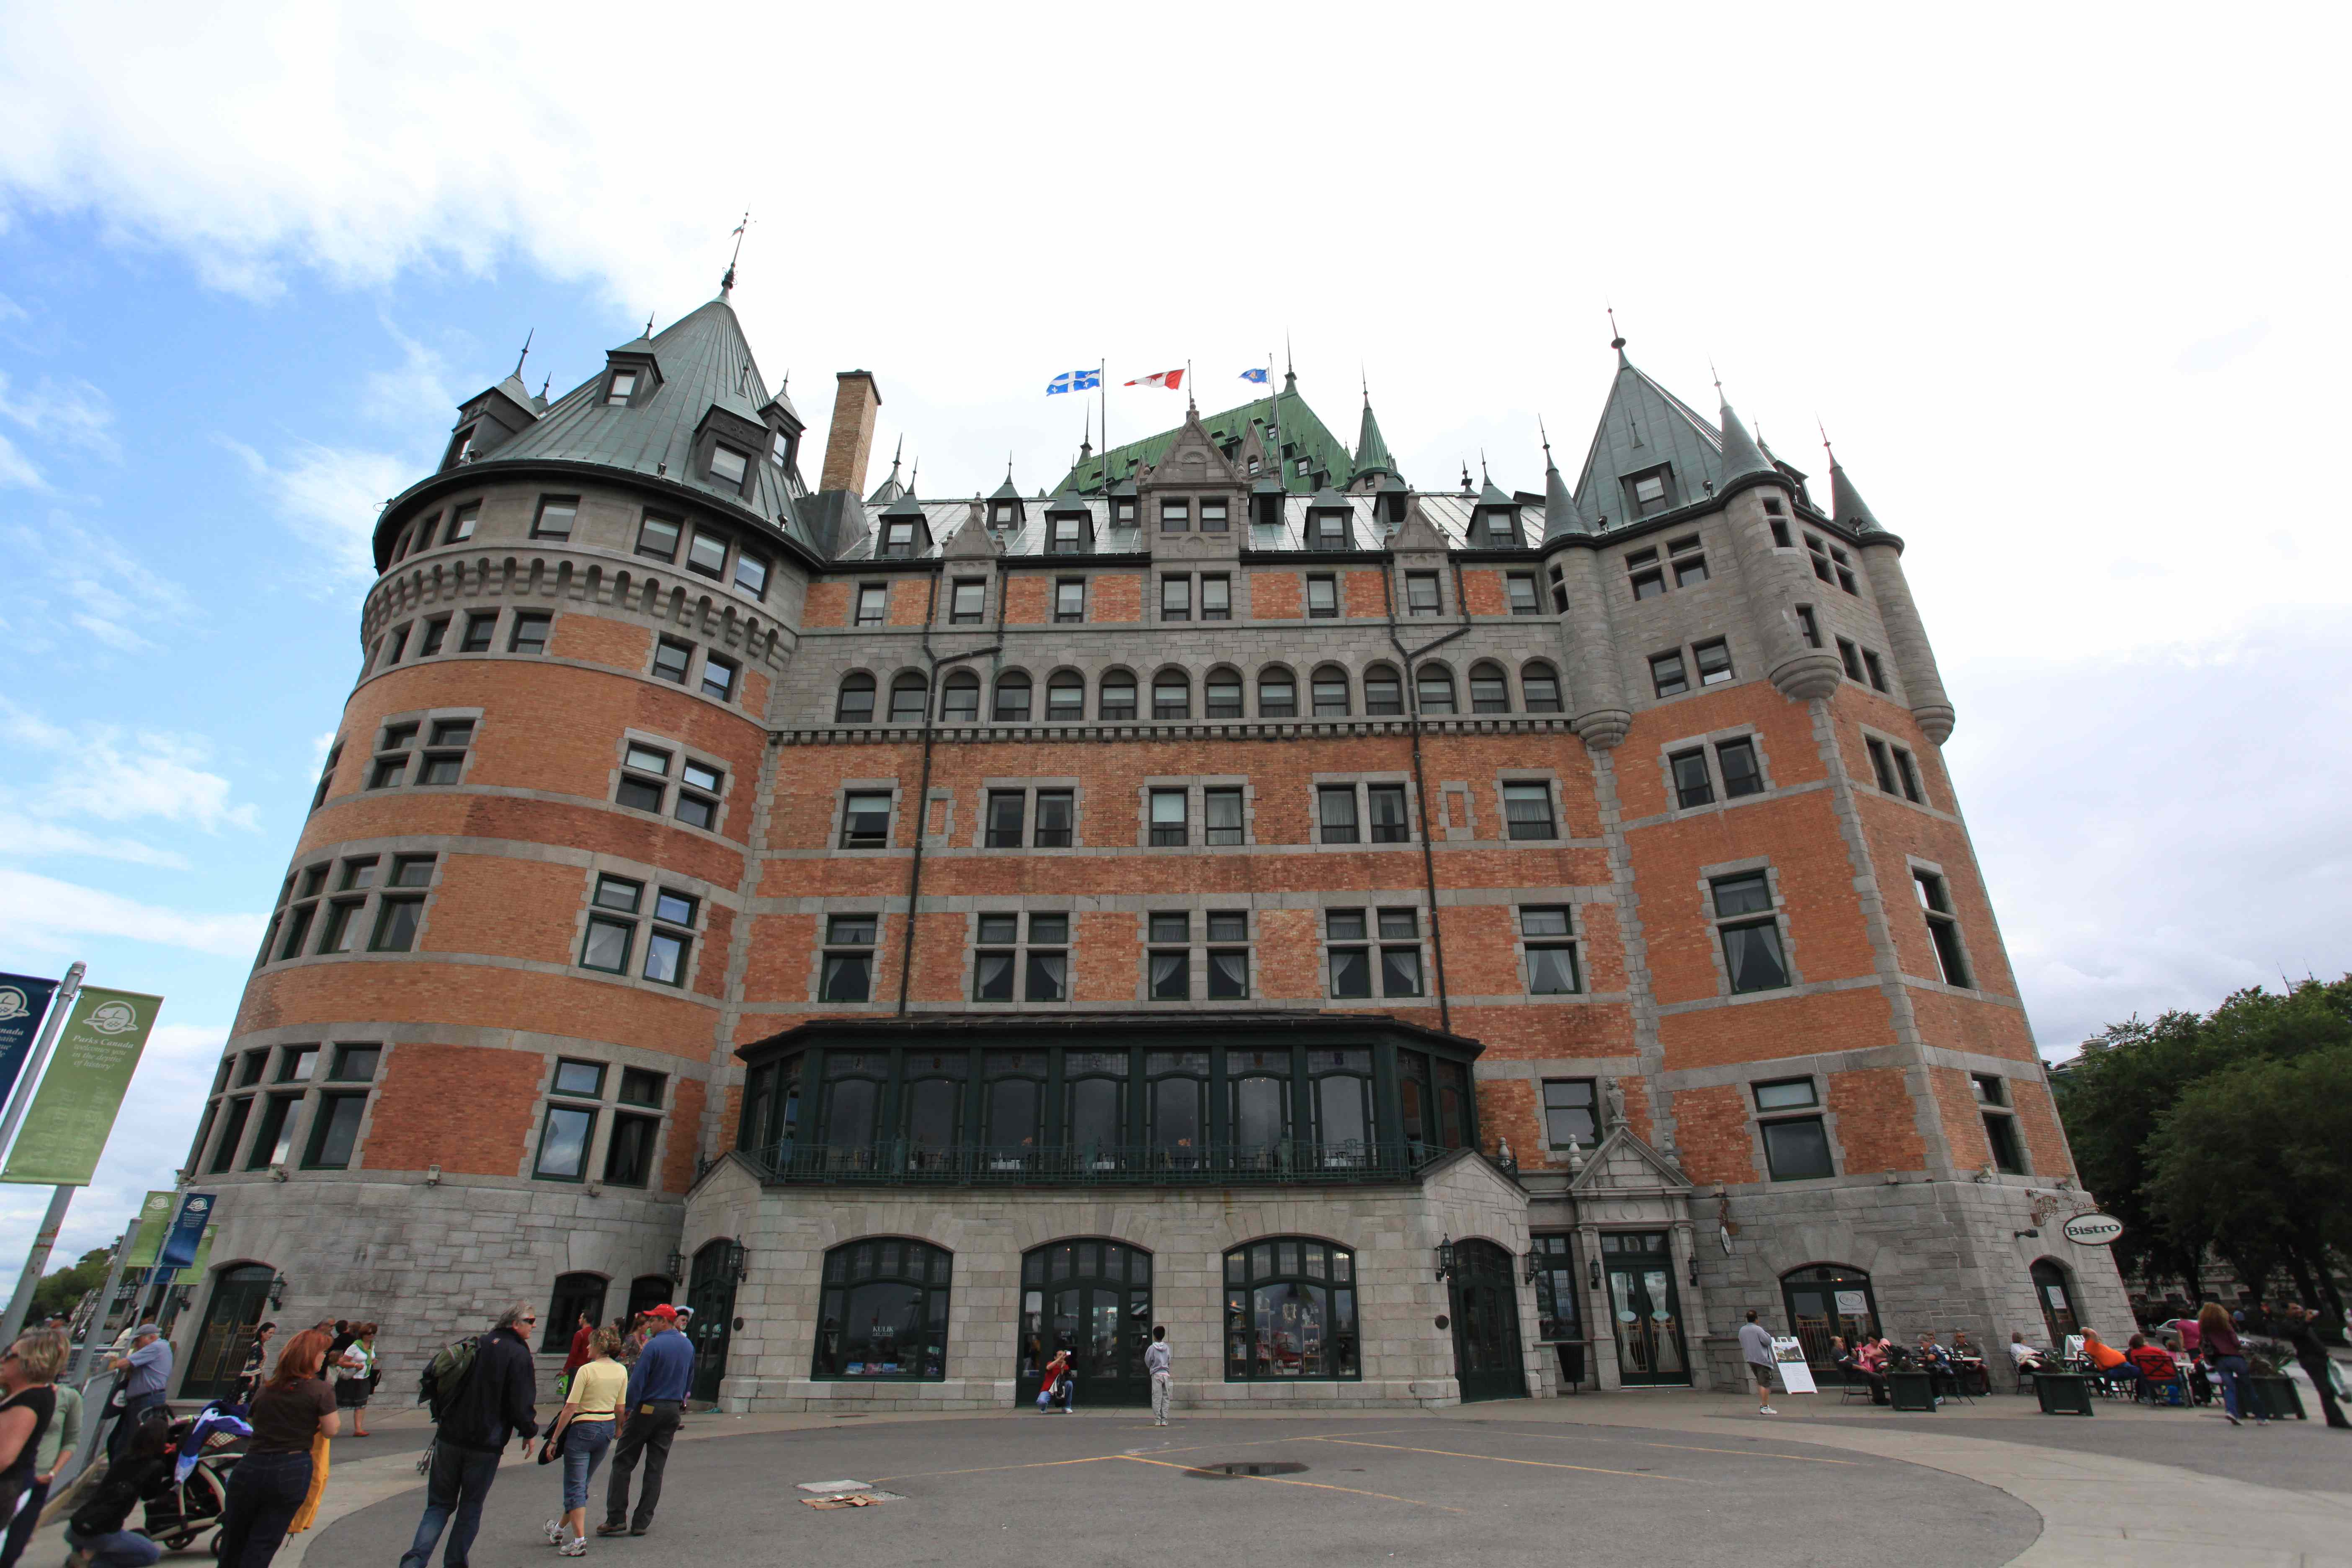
(292, 1410)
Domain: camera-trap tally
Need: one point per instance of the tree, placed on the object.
(59, 1291)
(2110, 1099)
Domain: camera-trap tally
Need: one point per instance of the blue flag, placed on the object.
(1075, 380)
(23, 1002)
(1256, 374)
(179, 1248)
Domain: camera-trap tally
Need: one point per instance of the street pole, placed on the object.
(105, 1300)
(54, 1220)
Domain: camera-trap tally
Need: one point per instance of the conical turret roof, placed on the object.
(1740, 453)
(1847, 507)
(1560, 513)
(1371, 448)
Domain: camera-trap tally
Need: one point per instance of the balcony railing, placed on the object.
(900, 1163)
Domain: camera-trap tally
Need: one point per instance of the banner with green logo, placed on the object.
(73, 1111)
(154, 1221)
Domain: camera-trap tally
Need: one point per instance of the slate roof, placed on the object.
(1644, 426)
(704, 361)
(1302, 431)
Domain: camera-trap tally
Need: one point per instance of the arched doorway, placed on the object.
(649, 1290)
(1485, 1302)
(1093, 1298)
(2054, 1289)
(1828, 1300)
(710, 1291)
(241, 1298)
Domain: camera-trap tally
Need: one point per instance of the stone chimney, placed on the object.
(855, 401)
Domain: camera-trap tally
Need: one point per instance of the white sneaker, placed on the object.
(1766, 1410)
(555, 1532)
(575, 1547)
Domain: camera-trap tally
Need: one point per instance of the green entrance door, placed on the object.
(710, 1291)
(1645, 1307)
(1486, 1307)
(240, 1296)
(1092, 1298)
(1828, 1301)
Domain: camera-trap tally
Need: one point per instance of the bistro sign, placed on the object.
(2093, 1229)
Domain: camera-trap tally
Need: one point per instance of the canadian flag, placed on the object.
(1171, 379)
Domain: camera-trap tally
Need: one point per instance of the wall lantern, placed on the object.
(676, 1265)
(277, 1291)
(742, 1259)
(1592, 1272)
(1445, 1258)
(1692, 1277)
(1534, 1266)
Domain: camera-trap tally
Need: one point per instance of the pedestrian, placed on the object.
(1058, 1390)
(2299, 1327)
(355, 1377)
(474, 1422)
(294, 1411)
(576, 1356)
(582, 1433)
(248, 1377)
(27, 1371)
(146, 1370)
(57, 1445)
(2218, 1336)
(1160, 1363)
(1756, 1345)
(633, 1343)
(96, 1534)
(658, 1388)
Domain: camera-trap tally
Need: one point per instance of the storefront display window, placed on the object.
(884, 1312)
(1290, 1310)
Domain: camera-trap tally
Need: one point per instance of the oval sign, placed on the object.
(2093, 1229)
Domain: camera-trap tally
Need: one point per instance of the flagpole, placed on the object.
(1102, 386)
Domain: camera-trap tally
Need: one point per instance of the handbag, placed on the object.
(553, 1447)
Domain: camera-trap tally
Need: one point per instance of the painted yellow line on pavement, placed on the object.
(1293, 1482)
(1692, 1447)
(984, 1470)
(1500, 1459)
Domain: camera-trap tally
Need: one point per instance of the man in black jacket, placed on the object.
(2300, 1329)
(491, 1406)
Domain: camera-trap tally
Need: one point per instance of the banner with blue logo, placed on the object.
(1075, 380)
(187, 1230)
(24, 1003)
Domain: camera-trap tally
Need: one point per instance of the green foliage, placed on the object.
(2233, 1130)
(59, 1291)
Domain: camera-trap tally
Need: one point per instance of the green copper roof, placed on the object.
(1847, 505)
(1305, 434)
(1560, 513)
(1371, 449)
(1006, 491)
(1740, 454)
(1643, 427)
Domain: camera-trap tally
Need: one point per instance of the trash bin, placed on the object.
(2063, 1392)
(1912, 1391)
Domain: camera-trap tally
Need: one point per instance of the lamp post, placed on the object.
(1445, 1258)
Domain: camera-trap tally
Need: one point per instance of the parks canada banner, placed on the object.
(73, 1111)
(24, 1003)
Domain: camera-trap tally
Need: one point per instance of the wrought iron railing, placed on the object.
(905, 1163)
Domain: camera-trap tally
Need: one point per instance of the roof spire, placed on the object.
(1087, 437)
(526, 350)
(726, 282)
(649, 323)
(1289, 370)
(1740, 453)
(1561, 515)
(1616, 338)
(1846, 505)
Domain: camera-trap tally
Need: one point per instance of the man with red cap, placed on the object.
(658, 1384)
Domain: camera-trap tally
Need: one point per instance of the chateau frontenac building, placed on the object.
(1417, 944)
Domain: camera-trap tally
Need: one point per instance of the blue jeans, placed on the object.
(2231, 1368)
(585, 1443)
(119, 1549)
(265, 1492)
(459, 1481)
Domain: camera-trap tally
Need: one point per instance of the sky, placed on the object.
(2063, 284)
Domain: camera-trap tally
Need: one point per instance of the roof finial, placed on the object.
(649, 323)
(545, 382)
(914, 475)
(1366, 379)
(1616, 338)
(1008, 467)
(1545, 436)
(526, 350)
(1718, 377)
(727, 283)
(1825, 439)
(1483, 475)
(1465, 477)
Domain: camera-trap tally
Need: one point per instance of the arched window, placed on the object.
(1384, 692)
(1013, 697)
(1093, 1107)
(856, 704)
(1119, 695)
(1066, 697)
(1490, 692)
(908, 696)
(960, 699)
(1435, 688)
(1540, 684)
(1277, 693)
(1329, 688)
(884, 1312)
(574, 1295)
(2054, 1291)
(1222, 693)
(1258, 1083)
(1828, 1300)
(932, 1107)
(854, 1081)
(1343, 1085)
(1093, 1300)
(1290, 1310)
(1013, 1107)
(1172, 695)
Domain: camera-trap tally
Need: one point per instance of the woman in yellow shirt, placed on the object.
(582, 1433)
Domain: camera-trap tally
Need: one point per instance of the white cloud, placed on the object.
(104, 772)
(67, 413)
(23, 837)
(38, 912)
(105, 589)
(414, 396)
(330, 498)
(16, 470)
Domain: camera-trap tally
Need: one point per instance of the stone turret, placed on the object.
(1907, 635)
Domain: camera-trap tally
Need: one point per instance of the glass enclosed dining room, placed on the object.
(1009, 1100)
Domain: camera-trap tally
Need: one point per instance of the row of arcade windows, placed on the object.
(1331, 693)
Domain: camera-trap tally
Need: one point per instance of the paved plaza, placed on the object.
(1671, 1477)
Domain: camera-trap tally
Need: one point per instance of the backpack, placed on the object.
(446, 1376)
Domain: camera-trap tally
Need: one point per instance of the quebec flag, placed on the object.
(1256, 374)
(1075, 380)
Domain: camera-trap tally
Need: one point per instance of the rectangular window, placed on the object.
(1175, 517)
(865, 821)
(1692, 785)
(848, 974)
(1400, 966)
(1046, 975)
(1909, 773)
(1168, 823)
(563, 1143)
(696, 804)
(436, 631)
(752, 574)
(1807, 626)
(728, 466)
(1882, 765)
(342, 931)
(1751, 948)
(1420, 597)
(1351, 967)
(1942, 927)
(1666, 674)
(480, 625)
(1057, 819)
(1213, 515)
(1714, 659)
(1552, 969)
(1008, 811)
(969, 602)
(1741, 775)
(1335, 812)
(1851, 657)
(1386, 802)
(556, 515)
(1070, 599)
(624, 387)
(273, 1140)
(1323, 597)
(1331, 529)
(718, 677)
(1787, 1093)
(296, 1063)
(395, 644)
(232, 1134)
(396, 925)
(462, 522)
(1874, 670)
(354, 1063)
(1176, 598)
(1571, 1112)
(629, 1152)
(2000, 1138)
(1798, 1149)
(657, 536)
(1990, 1087)
(1216, 596)
(1642, 570)
(1221, 816)
(1520, 586)
(1527, 808)
(334, 1132)
(327, 776)
(672, 659)
(529, 634)
(873, 603)
(707, 554)
(1648, 491)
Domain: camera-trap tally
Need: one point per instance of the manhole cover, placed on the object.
(1245, 1467)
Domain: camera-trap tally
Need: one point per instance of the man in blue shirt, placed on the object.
(146, 1370)
(658, 1385)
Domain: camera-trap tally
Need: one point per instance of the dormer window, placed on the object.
(1126, 513)
(461, 448)
(898, 540)
(1067, 527)
(1501, 525)
(1253, 466)
(623, 387)
(728, 466)
(1330, 531)
(1650, 492)
(999, 514)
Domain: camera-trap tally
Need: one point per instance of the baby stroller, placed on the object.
(206, 1447)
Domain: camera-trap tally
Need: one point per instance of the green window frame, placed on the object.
(566, 1133)
(1291, 1311)
(273, 1140)
(240, 1111)
(334, 1132)
(883, 1312)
